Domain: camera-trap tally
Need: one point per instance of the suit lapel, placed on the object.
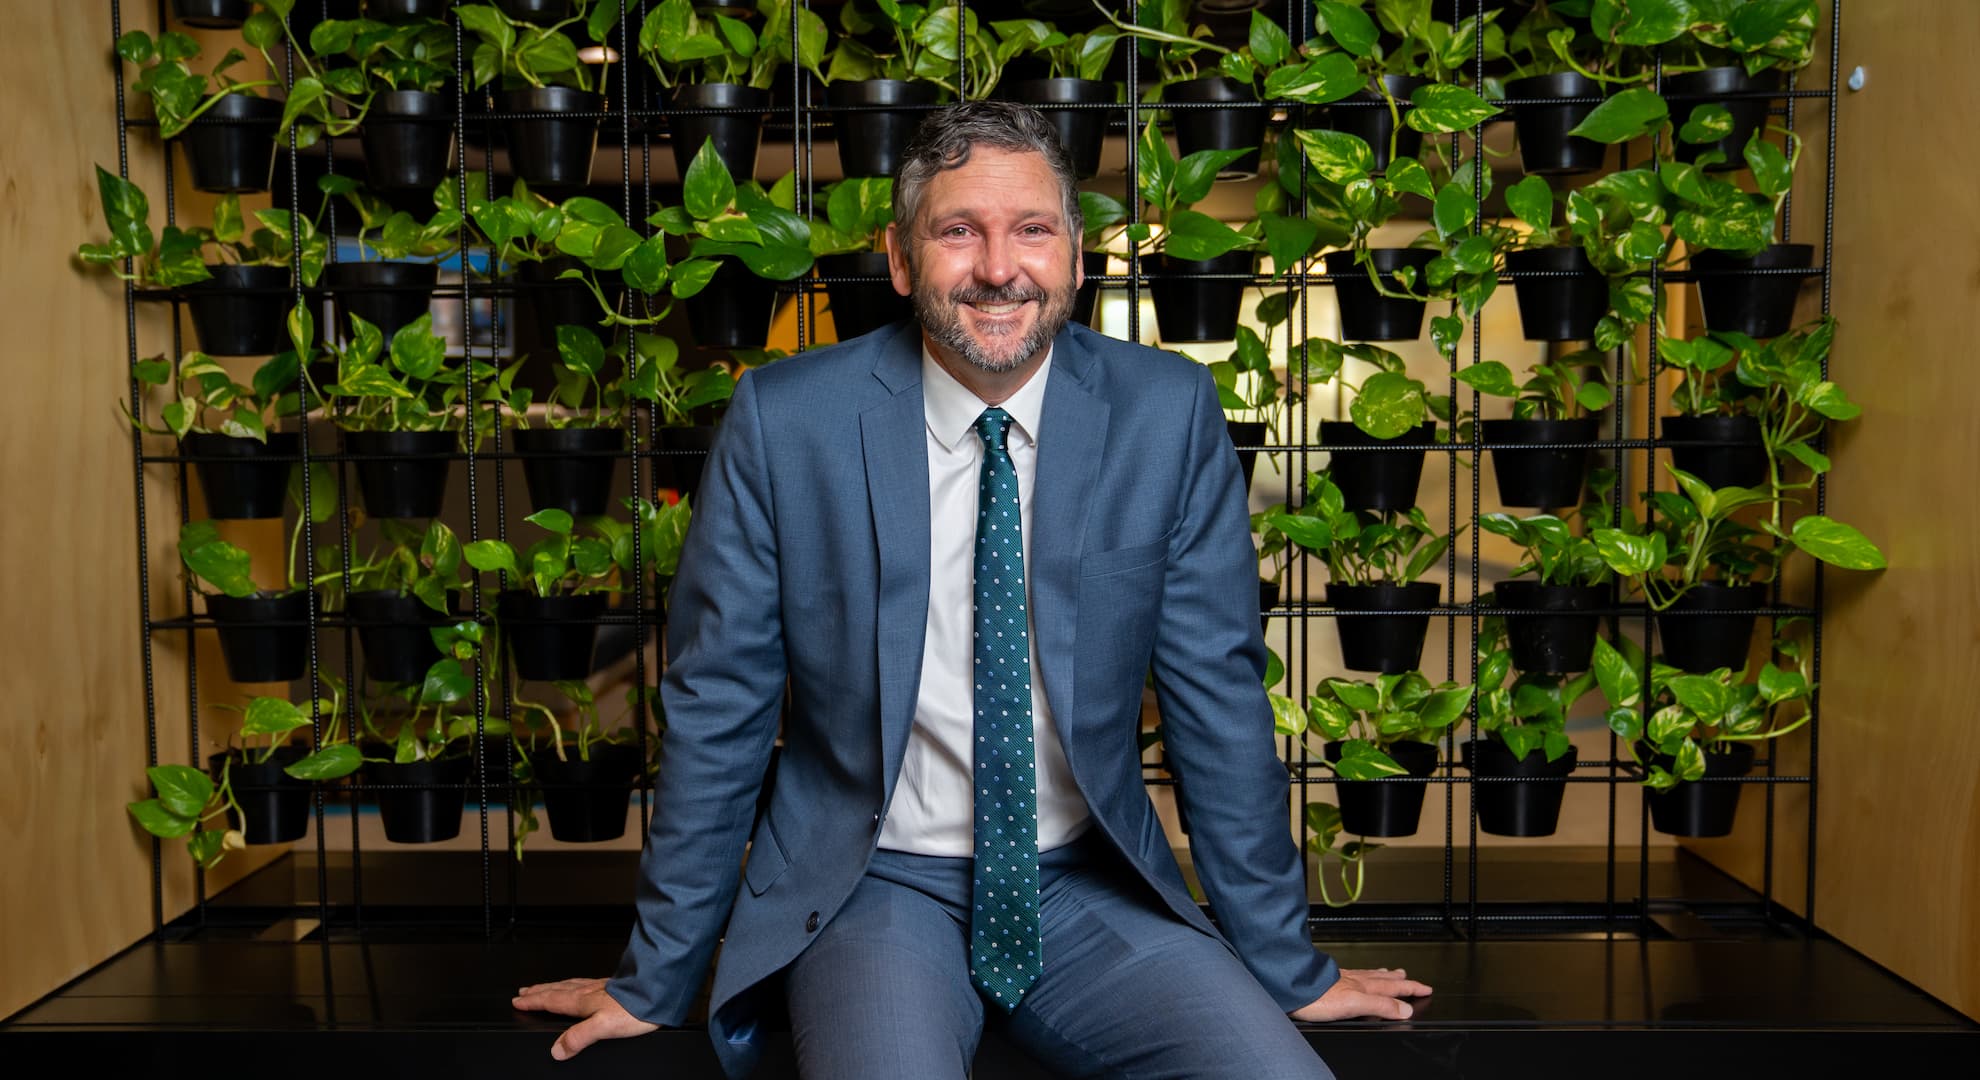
(896, 452)
(1072, 431)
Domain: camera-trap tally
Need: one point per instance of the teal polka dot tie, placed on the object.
(1004, 946)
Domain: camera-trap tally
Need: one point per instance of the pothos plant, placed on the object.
(1084, 55)
(1365, 718)
(1162, 31)
(180, 256)
(449, 692)
(1709, 213)
(557, 565)
(225, 568)
(422, 563)
(349, 61)
(1353, 51)
(1778, 382)
(384, 233)
(419, 390)
(1561, 388)
(1361, 547)
(1617, 221)
(1169, 187)
(1530, 712)
(585, 736)
(185, 798)
(940, 42)
(651, 373)
(858, 210)
(687, 47)
(1550, 548)
(1387, 404)
(180, 95)
(1676, 717)
(209, 401)
(739, 221)
(521, 54)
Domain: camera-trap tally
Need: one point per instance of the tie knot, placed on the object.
(992, 425)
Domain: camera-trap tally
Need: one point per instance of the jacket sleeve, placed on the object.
(722, 693)
(1209, 667)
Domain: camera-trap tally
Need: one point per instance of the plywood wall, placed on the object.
(1898, 807)
(72, 740)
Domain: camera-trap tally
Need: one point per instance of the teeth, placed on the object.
(999, 309)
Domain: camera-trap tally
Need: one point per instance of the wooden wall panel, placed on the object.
(1898, 808)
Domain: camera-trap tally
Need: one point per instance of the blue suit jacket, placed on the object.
(808, 561)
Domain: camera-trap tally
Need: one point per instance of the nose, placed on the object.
(998, 264)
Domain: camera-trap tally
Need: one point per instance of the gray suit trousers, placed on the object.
(1128, 989)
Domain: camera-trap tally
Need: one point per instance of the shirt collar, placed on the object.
(952, 408)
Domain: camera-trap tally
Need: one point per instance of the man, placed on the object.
(965, 543)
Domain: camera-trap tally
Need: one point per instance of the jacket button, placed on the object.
(876, 819)
(811, 923)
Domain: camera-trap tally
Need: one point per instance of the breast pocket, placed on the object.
(1117, 560)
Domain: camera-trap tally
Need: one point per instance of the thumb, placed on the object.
(1396, 1009)
(578, 1036)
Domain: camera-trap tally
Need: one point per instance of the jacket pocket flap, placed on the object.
(1096, 563)
(766, 860)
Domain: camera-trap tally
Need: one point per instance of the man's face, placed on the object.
(995, 266)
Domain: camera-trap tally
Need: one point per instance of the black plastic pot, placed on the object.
(1367, 315)
(540, 12)
(1532, 808)
(1731, 454)
(1082, 131)
(1695, 809)
(553, 153)
(734, 310)
(421, 815)
(403, 10)
(1558, 308)
(558, 302)
(1710, 87)
(550, 638)
(1241, 126)
(212, 14)
(569, 468)
(388, 295)
(248, 484)
(1371, 123)
(413, 482)
(1246, 433)
(872, 143)
(861, 308)
(1377, 479)
(408, 140)
(1385, 807)
(737, 135)
(274, 805)
(398, 644)
(1389, 644)
(1560, 642)
(1761, 305)
(1545, 147)
(233, 157)
(1268, 598)
(255, 648)
(1541, 478)
(1088, 297)
(682, 472)
(229, 321)
(1701, 642)
(1187, 310)
(587, 800)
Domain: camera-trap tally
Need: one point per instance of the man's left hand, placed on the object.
(1376, 993)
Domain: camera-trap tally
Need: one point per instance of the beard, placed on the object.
(1005, 348)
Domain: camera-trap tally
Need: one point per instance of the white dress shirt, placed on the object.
(931, 811)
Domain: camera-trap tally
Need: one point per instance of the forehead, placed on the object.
(995, 182)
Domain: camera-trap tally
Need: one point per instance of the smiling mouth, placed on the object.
(1005, 308)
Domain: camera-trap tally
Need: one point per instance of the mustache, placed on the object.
(1008, 294)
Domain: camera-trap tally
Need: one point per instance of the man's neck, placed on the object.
(993, 387)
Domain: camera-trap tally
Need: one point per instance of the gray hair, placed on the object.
(946, 137)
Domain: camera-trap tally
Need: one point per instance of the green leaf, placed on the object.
(1532, 201)
(1621, 685)
(182, 789)
(1628, 554)
(1446, 107)
(1837, 544)
(1407, 175)
(1326, 78)
(1270, 45)
(1362, 761)
(329, 763)
(1629, 114)
(1773, 173)
(581, 351)
(1489, 377)
(160, 822)
(1703, 695)
(491, 555)
(552, 519)
(1337, 156)
(1196, 236)
(1640, 22)
(1389, 405)
(126, 212)
(272, 716)
(1708, 123)
(1454, 211)
(445, 683)
(1347, 24)
(708, 189)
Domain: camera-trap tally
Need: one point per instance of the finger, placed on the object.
(1396, 987)
(578, 1036)
(564, 1002)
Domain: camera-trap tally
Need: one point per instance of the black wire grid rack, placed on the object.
(638, 129)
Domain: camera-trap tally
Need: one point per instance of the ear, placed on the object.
(1079, 266)
(897, 266)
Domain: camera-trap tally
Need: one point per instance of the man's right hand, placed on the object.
(601, 1016)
